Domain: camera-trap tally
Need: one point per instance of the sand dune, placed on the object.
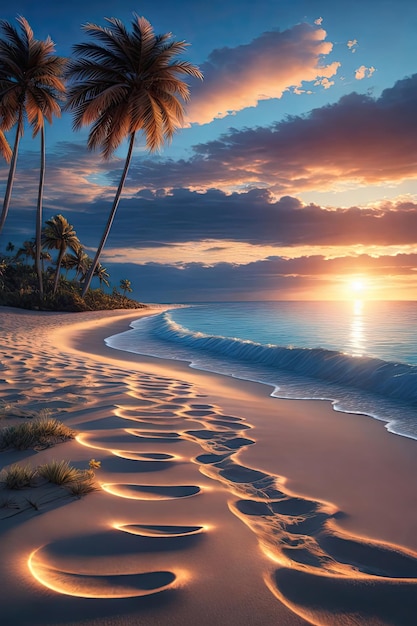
(215, 502)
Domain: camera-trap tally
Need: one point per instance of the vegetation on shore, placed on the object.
(62, 278)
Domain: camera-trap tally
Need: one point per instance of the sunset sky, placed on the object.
(295, 178)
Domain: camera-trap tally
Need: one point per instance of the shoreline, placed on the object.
(396, 415)
(274, 495)
(358, 429)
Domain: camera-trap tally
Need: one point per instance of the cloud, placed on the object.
(318, 21)
(352, 44)
(236, 78)
(175, 226)
(273, 278)
(324, 82)
(364, 72)
(358, 140)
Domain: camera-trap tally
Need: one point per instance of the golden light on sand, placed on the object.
(158, 530)
(81, 439)
(108, 585)
(133, 491)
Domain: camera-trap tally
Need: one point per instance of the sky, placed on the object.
(294, 177)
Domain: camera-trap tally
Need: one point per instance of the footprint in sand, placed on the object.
(160, 531)
(70, 566)
(323, 573)
(151, 492)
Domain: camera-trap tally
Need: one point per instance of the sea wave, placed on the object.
(393, 380)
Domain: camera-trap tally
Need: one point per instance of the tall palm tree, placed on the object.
(31, 84)
(124, 82)
(59, 234)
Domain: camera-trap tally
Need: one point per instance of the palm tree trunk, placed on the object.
(58, 268)
(12, 170)
(111, 217)
(38, 243)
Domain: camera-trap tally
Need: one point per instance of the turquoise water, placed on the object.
(360, 355)
(387, 330)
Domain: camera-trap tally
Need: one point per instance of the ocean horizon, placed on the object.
(360, 355)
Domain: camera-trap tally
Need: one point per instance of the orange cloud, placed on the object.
(364, 72)
(236, 78)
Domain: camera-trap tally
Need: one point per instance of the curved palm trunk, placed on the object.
(38, 244)
(12, 170)
(111, 217)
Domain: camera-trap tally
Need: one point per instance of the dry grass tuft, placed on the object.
(42, 432)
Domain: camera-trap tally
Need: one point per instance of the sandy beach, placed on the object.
(217, 503)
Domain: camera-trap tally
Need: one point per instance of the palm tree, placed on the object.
(102, 274)
(59, 234)
(126, 285)
(124, 82)
(27, 250)
(69, 262)
(45, 256)
(79, 261)
(31, 84)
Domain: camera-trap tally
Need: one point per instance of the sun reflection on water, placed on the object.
(357, 330)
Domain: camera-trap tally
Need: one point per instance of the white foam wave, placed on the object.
(394, 380)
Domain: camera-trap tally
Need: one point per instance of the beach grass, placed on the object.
(59, 472)
(42, 432)
(60, 475)
(83, 485)
(18, 476)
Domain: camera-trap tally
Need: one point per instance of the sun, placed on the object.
(358, 286)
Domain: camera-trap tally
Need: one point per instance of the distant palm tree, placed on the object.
(31, 83)
(27, 250)
(59, 234)
(45, 256)
(69, 262)
(102, 274)
(126, 285)
(125, 82)
(79, 261)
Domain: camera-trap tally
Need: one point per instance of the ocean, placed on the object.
(360, 355)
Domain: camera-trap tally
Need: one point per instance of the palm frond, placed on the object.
(124, 81)
(5, 149)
